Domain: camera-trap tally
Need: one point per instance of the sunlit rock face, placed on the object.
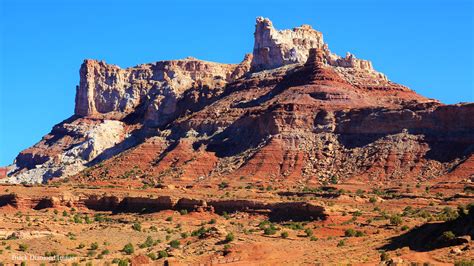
(291, 111)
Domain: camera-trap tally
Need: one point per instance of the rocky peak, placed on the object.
(273, 48)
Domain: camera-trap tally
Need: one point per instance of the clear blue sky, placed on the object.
(426, 45)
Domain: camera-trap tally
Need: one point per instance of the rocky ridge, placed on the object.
(291, 112)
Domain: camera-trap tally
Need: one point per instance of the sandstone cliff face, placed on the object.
(292, 112)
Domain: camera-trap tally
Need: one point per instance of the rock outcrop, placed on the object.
(292, 112)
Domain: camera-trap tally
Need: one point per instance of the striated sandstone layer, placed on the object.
(291, 112)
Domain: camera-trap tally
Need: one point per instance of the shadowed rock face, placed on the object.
(292, 110)
(279, 211)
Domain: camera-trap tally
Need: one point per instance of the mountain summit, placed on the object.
(291, 112)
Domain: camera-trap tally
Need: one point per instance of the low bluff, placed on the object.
(276, 211)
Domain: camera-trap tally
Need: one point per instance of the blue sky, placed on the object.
(426, 45)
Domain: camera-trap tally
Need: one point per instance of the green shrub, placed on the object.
(226, 249)
(269, 231)
(128, 249)
(350, 232)
(223, 185)
(341, 243)
(229, 237)
(169, 219)
(396, 220)
(22, 247)
(175, 243)
(152, 256)
(94, 246)
(199, 232)
(123, 262)
(148, 242)
(183, 212)
(384, 256)
(284, 234)
(308, 232)
(162, 254)
(295, 226)
(447, 236)
(137, 227)
(464, 263)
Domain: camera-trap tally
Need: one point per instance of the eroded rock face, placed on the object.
(274, 48)
(107, 91)
(292, 111)
(66, 150)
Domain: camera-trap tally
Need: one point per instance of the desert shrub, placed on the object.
(175, 243)
(99, 218)
(123, 262)
(169, 219)
(404, 228)
(94, 246)
(396, 220)
(263, 224)
(128, 249)
(313, 238)
(152, 256)
(229, 237)
(105, 252)
(464, 263)
(295, 226)
(447, 236)
(269, 231)
(341, 243)
(77, 219)
(384, 256)
(223, 185)
(50, 253)
(226, 215)
(137, 227)
(22, 247)
(226, 249)
(199, 232)
(350, 232)
(284, 234)
(183, 212)
(212, 221)
(448, 214)
(372, 200)
(81, 245)
(148, 242)
(87, 219)
(308, 232)
(162, 254)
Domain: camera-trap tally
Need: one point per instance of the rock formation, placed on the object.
(292, 112)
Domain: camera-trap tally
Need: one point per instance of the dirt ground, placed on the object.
(360, 224)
